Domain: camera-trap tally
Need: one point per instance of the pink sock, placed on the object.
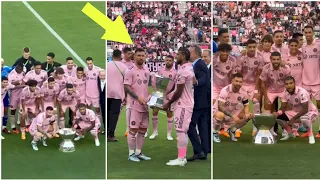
(155, 123)
(140, 140)
(131, 140)
(287, 128)
(169, 126)
(182, 152)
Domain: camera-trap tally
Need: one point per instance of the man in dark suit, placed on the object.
(102, 91)
(26, 59)
(200, 110)
(50, 65)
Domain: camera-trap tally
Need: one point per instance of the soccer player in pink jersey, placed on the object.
(311, 64)
(61, 78)
(42, 127)
(15, 77)
(250, 65)
(265, 48)
(86, 120)
(302, 110)
(224, 66)
(36, 74)
(169, 72)
(278, 45)
(79, 82)
(136, 80)
(29, 106)
(68, 98)
(92, 89)
(182, 102)
(70, 68)
(49, 93)
(228, 108)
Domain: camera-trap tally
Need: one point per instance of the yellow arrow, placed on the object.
(115, 30)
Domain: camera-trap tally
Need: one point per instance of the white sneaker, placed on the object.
(284, 133)
(143, 157)
(78, 138)
(2, 137)
(44, 143)
(177, 162)
(145, 135)
(216, 138)
(169, 137)
(287, 137)
(34, 146)
(153, 135)
(133, 157)
(97, 142)
(312, 140)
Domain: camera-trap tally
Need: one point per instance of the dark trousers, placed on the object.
(103, 112)
(199, 117)
(113, 111)
(209, 128)
(276, 127)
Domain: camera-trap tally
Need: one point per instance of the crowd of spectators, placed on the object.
(247, 20)
(160, 27)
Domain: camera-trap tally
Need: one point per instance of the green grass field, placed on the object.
(160, 150)
(292, 159)
(20, 28)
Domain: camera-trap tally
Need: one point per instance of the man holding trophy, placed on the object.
(182, 102)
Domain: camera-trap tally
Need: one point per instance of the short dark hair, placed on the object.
(80, 68)
(69, 58)
(277, 31)
(19, 65)
(69, 85)
(288, 78)
(251, 41)
(51, 54)
(293, 40)
(185, 52)
(59, 70)
(37, 63)
(308, 27)
(81, 105)
(139, 50)
(32, 82)
(26, 49)
(296, 35)
(49, 108)
(50, 79)
(222, 31)
(116, 54)
(275, 54)
(170, 56)
(126, 49)
(89, 59)
(237, 75)
(224, 47)
(4, 78)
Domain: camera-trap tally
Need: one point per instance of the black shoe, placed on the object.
(112, 139)
(200, 156)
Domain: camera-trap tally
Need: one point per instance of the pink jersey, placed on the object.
(222, 71)
(70, 72)
(92, 89)
(79, 84)
(274, 79)
(115, 80)
(233, 101)
(138, 79)
(5, 90)
(283, 50)
(185, 76)
(29, 97)
(249, 67)
(295, 64)
(40, 78)
(62, 82)
(42, 122)
(299, 97)
(127, 63)
(311, 64)
(48, 94)
(266, 57)
(14, 77)
(171, 73)
(68, 99)
(88, 117)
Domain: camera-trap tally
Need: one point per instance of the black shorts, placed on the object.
(283, 117)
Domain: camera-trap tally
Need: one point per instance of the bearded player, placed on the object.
(36, 74)
(227, 110)
(169, 72)
(302, 110)
(86, 121)
(43, 127)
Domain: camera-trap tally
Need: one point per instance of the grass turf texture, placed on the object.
(21, 28)
(285, 160)
(160, 150)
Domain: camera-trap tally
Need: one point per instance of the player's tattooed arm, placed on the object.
(304, 110)
(91, 126)
(284, 106)
(257, 86)
(130, 91)
(221, 108)
(177, 94)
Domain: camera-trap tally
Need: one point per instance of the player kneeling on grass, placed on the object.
(86, 120)
(227, 109)
(301, 110)
(43, 127)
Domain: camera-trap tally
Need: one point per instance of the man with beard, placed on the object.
(278, 45)
(226, 108)
(136, 80)
(36, 74)
(272, 85)
(302, 110)
(169, 72)
(70, 69)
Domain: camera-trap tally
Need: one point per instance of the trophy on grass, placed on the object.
(156, 100)
(264, 122)
(67, 145)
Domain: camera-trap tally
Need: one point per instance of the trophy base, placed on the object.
(67, 146)
(155, 102)
(264, 137)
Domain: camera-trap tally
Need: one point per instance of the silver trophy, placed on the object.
(67, 145)
(264, 122)
(156, 100)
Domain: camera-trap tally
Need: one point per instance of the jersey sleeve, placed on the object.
(128, 77)
(264, 74)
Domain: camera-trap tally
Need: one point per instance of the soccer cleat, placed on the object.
(15, 131)
(44, 143)
(57, 135)
(312, 140)
(133, 157)
(143, 157)
(34, 146)
(5, 130)
(224, 133)
(23, 136)
(78, 138)
(169, 137)
(238, 134)
(216, 138)
(97, 142)
(153, 135)
(318, 135)
(177, 162)
(287, 137)
(2, 137)
(302, 129)
(232, 135)
(304, 135)
(126, 134)
(146, 134)
(296, 133)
